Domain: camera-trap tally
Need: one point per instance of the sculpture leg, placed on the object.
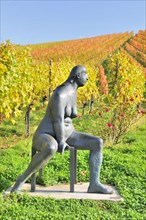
(47, 147)
(83, 141)
(95, 162)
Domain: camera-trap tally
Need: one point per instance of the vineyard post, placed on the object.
(91, 103)
(115, 96)
(43, 100)
(27, 119)
(50, 78)
(116, 76)
(83, 108)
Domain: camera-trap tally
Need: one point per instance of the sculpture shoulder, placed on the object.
(60, 92)
(59, 95)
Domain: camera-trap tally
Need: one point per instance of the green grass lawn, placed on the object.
(123, 166)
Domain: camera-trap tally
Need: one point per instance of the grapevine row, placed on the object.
(137, 47)
(26, 79)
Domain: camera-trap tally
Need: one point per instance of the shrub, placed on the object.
(122, 106)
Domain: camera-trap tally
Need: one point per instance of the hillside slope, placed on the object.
(85, 50)
(135, 48)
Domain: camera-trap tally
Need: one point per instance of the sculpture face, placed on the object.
(82, 77)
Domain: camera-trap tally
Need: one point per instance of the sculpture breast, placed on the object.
(68, 111)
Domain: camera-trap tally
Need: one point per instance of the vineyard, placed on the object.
(114, 62)
(136, 48)
(88, 50)
(112, 101)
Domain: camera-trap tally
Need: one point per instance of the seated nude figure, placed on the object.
(56, 132)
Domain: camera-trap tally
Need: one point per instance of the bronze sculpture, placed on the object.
(56, 132)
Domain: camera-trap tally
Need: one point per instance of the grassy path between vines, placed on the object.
(123, 166)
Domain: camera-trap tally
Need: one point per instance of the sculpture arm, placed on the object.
(57, 109)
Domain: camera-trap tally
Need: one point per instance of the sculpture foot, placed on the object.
(18, 185)
(99, 188)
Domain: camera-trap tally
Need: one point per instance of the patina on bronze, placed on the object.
(56, 132)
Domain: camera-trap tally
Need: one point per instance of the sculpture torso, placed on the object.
(67, 109)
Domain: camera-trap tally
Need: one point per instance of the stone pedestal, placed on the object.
(62, 191)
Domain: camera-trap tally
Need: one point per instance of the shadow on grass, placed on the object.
(8, 132)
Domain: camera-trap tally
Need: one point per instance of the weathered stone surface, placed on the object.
(61, 191)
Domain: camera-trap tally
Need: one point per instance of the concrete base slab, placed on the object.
(62, 191)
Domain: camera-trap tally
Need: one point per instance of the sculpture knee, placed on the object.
(98, 144)
(100, 141)
(50, 150)
(53, 149)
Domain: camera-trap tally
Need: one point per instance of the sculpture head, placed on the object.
(79, 75)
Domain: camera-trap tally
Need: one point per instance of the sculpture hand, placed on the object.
(62, 147)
